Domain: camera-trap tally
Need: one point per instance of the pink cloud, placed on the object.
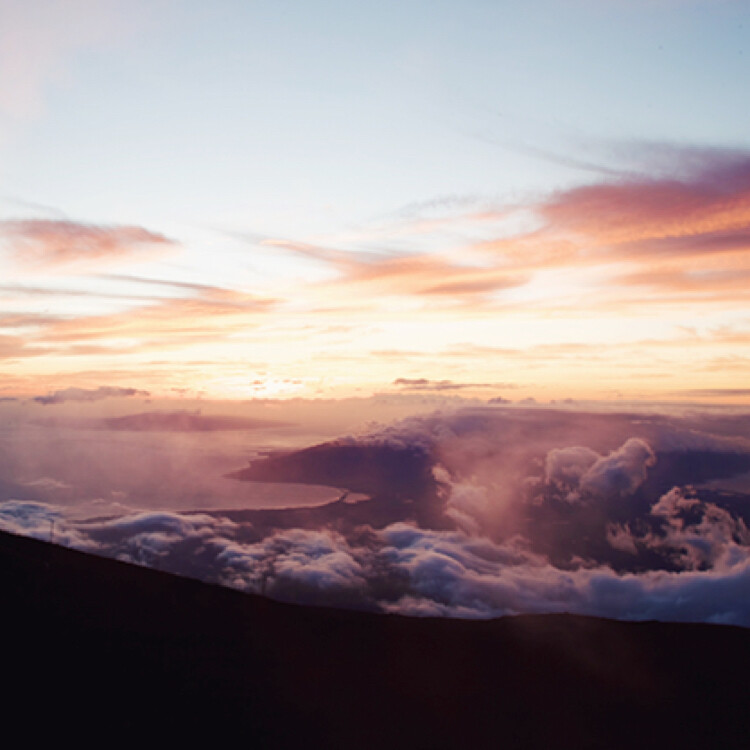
(45, 243)
(420, 275)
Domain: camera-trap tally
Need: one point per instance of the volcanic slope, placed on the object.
(107, 650)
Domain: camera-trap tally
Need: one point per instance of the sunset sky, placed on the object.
(236, 200)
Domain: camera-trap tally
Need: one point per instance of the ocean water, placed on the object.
(96, 473)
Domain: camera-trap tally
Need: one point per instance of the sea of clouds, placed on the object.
(544, 511)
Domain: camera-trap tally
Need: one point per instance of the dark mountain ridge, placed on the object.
(106, 650)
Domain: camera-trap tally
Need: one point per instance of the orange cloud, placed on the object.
(551, 304)
(407, 274)
(634, 241)
(163, 324)
(644, 240)
(15, 347)
(725, 283)
(705, 211)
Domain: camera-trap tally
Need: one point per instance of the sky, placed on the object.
(261, 200)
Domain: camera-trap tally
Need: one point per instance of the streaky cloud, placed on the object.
(48, 243)
(88, 394)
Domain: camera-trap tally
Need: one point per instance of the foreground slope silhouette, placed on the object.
(103, 650)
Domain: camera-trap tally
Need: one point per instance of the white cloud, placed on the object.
(622, 471)
(40, 521)
(566, 466)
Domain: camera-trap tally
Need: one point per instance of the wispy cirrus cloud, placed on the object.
(24, 320)
(149, 314)
(54, 244)
(667, 241)
(684, 237)
(708, 203)
(169, 322)
(16, 347)
(678, 233)
(404, 274)
(681, 229)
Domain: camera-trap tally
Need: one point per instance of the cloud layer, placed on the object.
(88, 394)
(527, 511)
(402, 568)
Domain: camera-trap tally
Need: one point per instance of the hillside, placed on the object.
(99, 649)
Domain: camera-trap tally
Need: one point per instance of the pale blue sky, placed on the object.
(291, 117)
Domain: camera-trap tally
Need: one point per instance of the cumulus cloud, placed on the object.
(468, 505)
(566, 466)
(490, 579)
(88, 394)
(450, 575)
(494, 463)
(620, 472)
(621, 538)
(19, 517)
(406, 569)
(316, 566)
(582, 471)
(296, 564)
(41, 521)
(695, 534)
(147, 538)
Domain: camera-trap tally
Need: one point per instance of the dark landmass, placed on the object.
(98, 650)
(402, 488)
(406, 472)
(398, 480)
(370, 469)
(692, 467)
